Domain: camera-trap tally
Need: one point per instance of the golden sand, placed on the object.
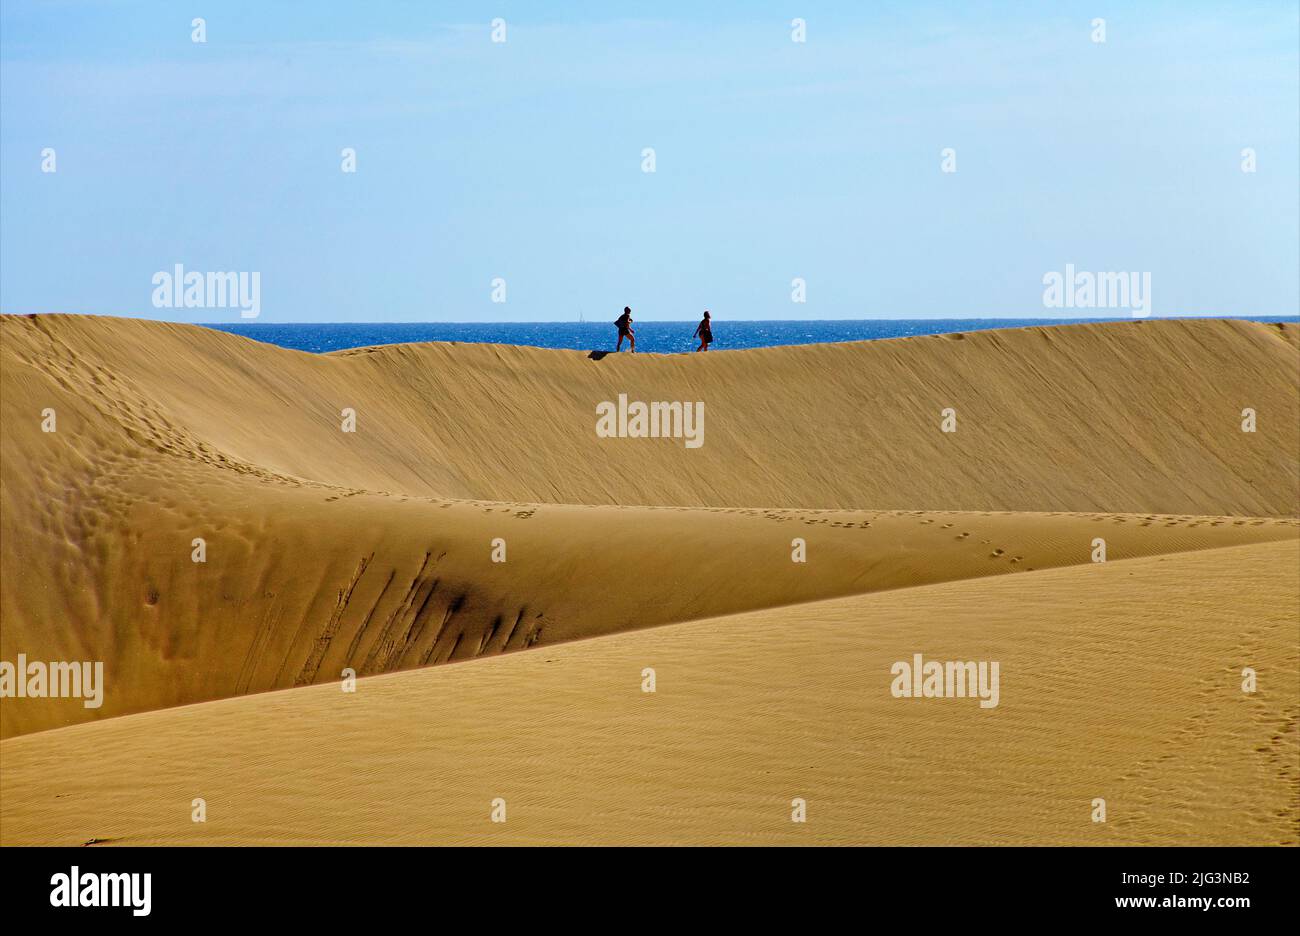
(373, 550)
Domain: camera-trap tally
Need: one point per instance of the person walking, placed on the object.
(624, 323)
(704, 331)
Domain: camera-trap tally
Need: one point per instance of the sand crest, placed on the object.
(373, 550)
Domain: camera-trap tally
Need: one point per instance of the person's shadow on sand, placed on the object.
(597, 355)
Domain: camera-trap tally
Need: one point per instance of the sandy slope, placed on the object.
(1137, 417)
(373, 550)
(328, 549)
(1119, 681)
(300, 584)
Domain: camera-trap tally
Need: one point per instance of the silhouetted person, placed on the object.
(624, 323)
(704, 331)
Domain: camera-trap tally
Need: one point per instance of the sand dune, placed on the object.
(1140, 417)
(329, 549)
(374, 550)
(297, 587)
(1119, 681)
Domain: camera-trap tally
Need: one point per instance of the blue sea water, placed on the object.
(659, 337)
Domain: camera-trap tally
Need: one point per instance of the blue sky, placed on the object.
(523, 159)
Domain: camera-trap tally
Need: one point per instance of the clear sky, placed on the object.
(522, 159)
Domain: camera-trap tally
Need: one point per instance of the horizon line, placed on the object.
(953, 318)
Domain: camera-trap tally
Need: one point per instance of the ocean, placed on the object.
(658, 337)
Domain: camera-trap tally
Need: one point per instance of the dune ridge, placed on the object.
(373, 551)
(750, 712)
(1140, 417)
(330, 550)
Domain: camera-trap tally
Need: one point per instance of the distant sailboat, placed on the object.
(581, 320)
